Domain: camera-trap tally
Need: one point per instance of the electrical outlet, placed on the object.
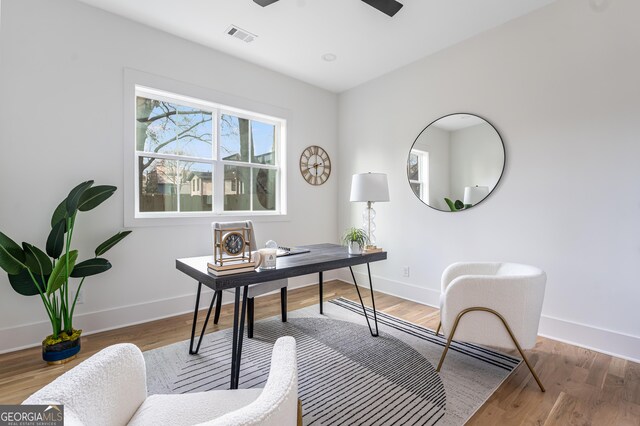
(405, 271)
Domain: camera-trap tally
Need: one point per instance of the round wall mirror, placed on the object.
(456, 162)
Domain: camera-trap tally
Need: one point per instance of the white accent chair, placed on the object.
(254, 289)
(501, 304)
(110, 389)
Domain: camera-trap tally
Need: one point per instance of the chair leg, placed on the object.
(506, 325)
(216, 316)
(283, 303)
(526, 361)
(299, 412)
(446, 347)
(438, 329)
(250, 310)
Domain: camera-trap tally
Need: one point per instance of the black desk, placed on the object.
(322, 257)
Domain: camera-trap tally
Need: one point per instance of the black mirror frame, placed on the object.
(504, 162)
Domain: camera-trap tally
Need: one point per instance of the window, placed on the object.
(198, 158)
(418, 172)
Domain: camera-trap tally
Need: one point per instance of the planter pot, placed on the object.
(62, 352)
(354, 249)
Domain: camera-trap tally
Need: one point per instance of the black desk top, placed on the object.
(322, 257)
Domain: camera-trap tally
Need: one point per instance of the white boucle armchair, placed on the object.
(110, 389)
(492, 303)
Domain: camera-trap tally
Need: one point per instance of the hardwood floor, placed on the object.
(583, 387)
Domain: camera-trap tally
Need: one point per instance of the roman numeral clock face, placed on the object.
(315, 165)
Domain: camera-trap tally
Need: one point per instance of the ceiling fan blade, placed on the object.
(264, 3)
(390, 7)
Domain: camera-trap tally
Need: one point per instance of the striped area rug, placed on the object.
(346, 376)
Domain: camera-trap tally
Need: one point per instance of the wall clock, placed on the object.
(315, 165)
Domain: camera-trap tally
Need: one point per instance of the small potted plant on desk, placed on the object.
(32, 272)
(355, 239)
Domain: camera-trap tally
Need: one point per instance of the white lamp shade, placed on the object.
(474, 194)
(369, 187)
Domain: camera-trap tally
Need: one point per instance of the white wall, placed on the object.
(561, 86)
(61, 85)
(437, 143)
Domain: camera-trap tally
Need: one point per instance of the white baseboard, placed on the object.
(30, 335)
(424, 296)
(586, 336)
(583, 335)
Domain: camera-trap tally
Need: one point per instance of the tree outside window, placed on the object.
(180, 145)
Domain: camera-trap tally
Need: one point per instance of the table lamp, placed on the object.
(474, 194)
(370, 188)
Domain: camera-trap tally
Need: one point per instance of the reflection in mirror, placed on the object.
(455, 162)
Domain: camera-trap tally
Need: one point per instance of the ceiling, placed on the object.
(293, 35)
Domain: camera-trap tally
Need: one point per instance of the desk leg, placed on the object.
(250, 312)
(195, 320)
(283, 304)
(320, 290)
(238, 335)
(373, 300)
(216, 317)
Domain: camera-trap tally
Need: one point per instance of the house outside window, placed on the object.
(199, 158)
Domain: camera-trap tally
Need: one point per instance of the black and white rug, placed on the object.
(345, 375)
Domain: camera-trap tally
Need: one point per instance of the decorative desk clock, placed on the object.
(232, 246)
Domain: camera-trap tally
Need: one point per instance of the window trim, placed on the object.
(423, 171)
(137, 82)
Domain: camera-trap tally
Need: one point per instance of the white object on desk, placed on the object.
(268, 258)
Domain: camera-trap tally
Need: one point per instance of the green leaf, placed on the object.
(451, 205)
(104, 247)
(37, 261)
(73, 199)
(59, 276)
(468, 206)
(55, 242)
(11, 255)
(459, 205)
(93, 197)
(91, 267)
(59, 213)
(24, 285)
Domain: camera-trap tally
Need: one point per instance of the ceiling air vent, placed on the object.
(241, 34)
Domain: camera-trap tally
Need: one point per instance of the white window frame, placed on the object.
(423, 173)
(147, 85)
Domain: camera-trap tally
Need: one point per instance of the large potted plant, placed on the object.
(355, 239)
(32, 272)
